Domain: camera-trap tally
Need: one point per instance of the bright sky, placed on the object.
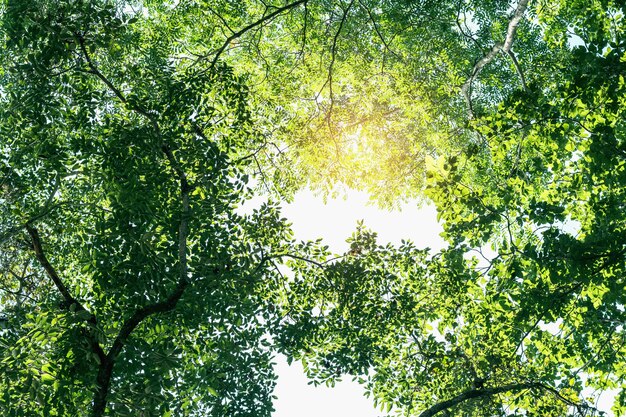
(334, 222)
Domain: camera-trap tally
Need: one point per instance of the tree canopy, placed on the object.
(133, 282)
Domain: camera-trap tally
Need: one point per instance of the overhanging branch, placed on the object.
(130, 324)
(333, 55)
(52, 273)
(474, 394)
(251, 26)
(377, 29)
(67, 296)
(518, 69)
(183, 281)
(499, 47)
(489, 392)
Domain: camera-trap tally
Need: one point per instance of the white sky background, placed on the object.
(335, 222)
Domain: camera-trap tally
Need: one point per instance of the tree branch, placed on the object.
(466, 35)
(219, 16)
(251, 26)
(518, 69)
(67, 296)
(499, 47)
(106, 367)
(377, 29)
(45, 210)
(476, 393)
(304, 29)
(514, 23)
(107, 361)
(333, 53)
(93, 69)
(580, 407)
(489, 392)
(43, 260)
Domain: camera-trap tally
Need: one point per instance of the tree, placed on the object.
(356, 92)
(535, 328)
(131, 284)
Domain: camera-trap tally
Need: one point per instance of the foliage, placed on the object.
(523, 313)
(133, 282)
(381, 86)
(358, 92)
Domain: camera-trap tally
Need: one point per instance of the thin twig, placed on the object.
(333, 54)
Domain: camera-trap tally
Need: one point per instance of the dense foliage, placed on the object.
(132, 281)
(523, 314)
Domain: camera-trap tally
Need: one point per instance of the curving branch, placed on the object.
(241, 32)
(518, 69)
(499, 47)
(46, 209)
(304, 30)
(43, 260)
(106, 367)
(221, 18)
(130, 324)
(474, 394)
(386, 43)
(67, 296)
(489, 392)
(465, 34)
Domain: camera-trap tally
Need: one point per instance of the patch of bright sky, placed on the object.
(335, 221)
